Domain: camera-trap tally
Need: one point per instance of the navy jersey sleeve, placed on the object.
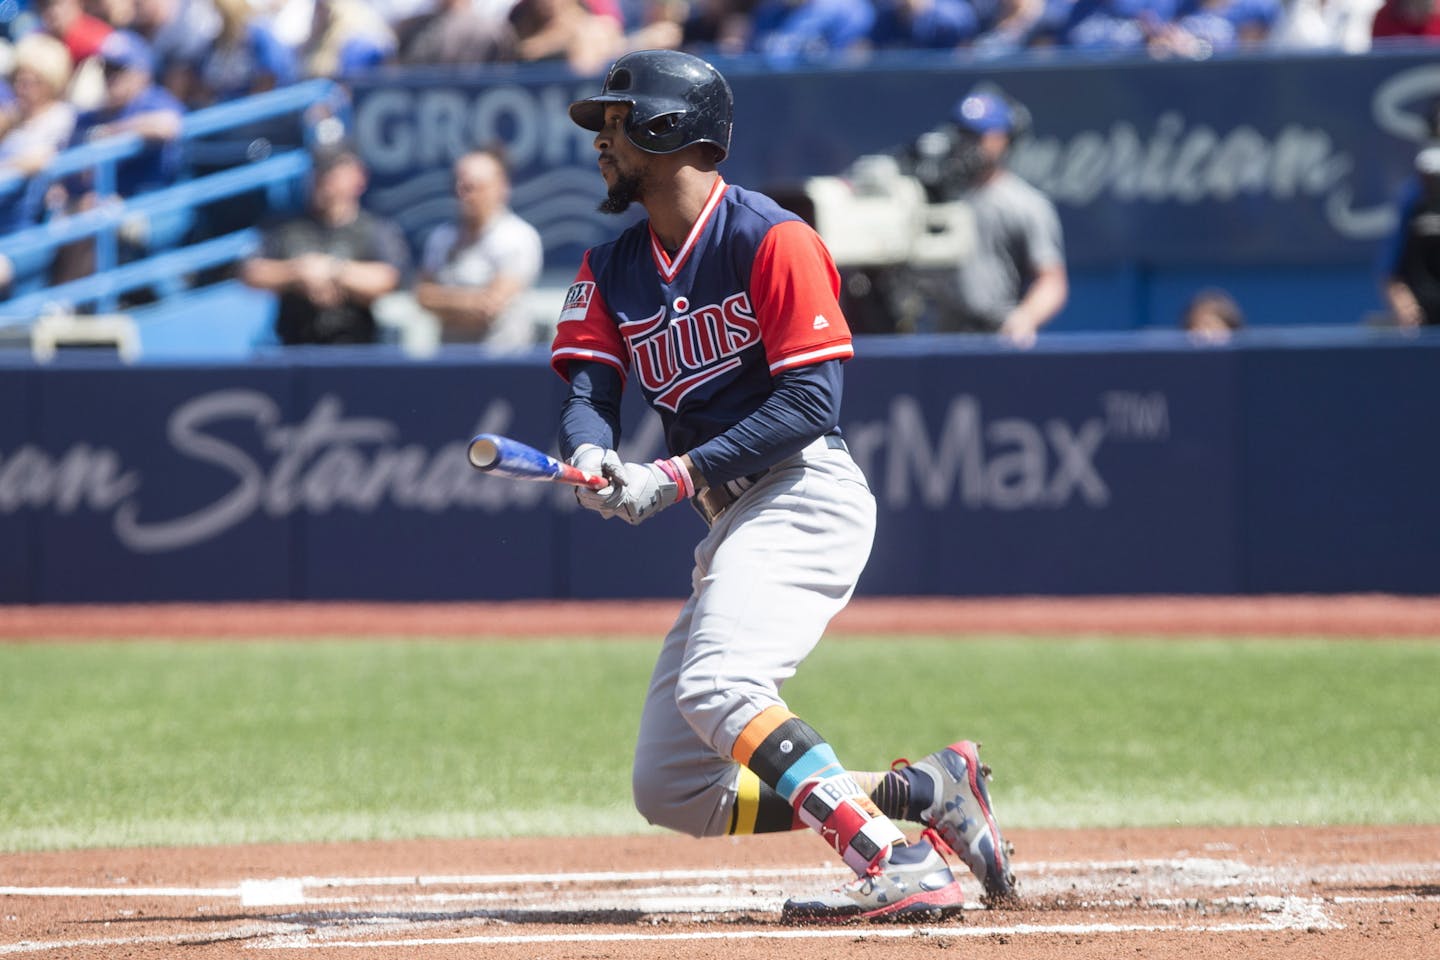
(805, 404)
(591, 411)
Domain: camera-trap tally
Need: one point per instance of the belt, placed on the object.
(713, 501)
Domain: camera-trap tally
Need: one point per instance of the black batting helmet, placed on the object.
(675, 99)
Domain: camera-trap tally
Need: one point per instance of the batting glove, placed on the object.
(602, 463)
(651, 487)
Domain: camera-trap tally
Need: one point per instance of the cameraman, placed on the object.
(1014, 279)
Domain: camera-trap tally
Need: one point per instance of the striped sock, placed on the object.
(786, 754)
(890, 790)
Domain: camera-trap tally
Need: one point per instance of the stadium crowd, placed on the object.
(76, 70)
(204, 51)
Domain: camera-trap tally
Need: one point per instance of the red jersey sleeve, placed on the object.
(585, 330)
(794, 286)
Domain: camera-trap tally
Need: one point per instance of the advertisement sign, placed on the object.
(1238, 160)
(328, 475)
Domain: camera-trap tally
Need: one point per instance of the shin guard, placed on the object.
(786, 754)
(848, 820)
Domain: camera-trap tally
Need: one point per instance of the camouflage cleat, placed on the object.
(911, 883)
(962, 818)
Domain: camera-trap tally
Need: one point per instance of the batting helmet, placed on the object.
(675, 99)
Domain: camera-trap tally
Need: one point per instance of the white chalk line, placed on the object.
(720, 895)
(1190, 870)
(179, 940)
(847, 933)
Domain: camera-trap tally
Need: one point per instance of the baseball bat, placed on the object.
(504, 457)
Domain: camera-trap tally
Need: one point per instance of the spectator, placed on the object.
(1212, 316)
(245, 58)
(1116, 25)
(717, 26)
(1047, 31)
(1342, 25)
(330, 264)
(458, 32)
(67, 21)
(660, 26)
(1254, 20)
(1007, 26)
(1400, 19)
(1014, 281)
(179, 33)
(405, 16)
(584, 36)
(791, 31)
(1412, 282)
(1195, 33)
(120, 14)
(9, 106)
(44, 121)
(923, 24)
(17, 18)
(132, 104)
(473, 271)
(346, 38)
(290, 19)
(1214, 26)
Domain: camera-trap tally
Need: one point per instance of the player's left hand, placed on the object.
(646, 489)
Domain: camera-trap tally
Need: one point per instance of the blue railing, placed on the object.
(256, 166)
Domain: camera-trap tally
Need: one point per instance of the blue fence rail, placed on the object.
(253, 164)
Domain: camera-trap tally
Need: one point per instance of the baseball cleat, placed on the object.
(961, 816)
(910, 883)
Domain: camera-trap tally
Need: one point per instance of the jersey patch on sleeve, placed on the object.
(577, 300)
(585, 330)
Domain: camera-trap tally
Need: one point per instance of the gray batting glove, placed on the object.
(647, 491)
(602, 463)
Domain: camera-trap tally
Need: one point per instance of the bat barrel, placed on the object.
(504, 457)
(484, 452)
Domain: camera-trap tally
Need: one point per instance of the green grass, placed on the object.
(120, 744)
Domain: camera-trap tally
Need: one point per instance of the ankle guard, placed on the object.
(848, 820)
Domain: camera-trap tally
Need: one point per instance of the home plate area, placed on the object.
(1325, 892)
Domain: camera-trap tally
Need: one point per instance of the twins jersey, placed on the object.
(752, 292)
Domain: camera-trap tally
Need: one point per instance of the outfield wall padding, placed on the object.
(1289, 462)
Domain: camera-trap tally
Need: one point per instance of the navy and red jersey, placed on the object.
(751, 293)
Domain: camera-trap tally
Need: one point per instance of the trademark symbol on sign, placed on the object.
(1130, 415)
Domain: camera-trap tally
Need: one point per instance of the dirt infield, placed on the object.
(1261, 893)
(1333, 616)
(1319, 893)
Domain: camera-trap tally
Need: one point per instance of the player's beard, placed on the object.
(619, 197)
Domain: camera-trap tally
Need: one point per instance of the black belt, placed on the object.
(713, 501)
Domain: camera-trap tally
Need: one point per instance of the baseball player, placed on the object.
(721, 307)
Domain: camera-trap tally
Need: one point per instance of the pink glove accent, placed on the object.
(678, 475)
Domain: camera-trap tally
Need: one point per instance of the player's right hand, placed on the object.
(602, 463)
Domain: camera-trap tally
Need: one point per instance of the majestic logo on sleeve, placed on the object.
(672, 356)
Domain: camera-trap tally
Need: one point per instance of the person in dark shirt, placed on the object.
(1412, 282)
(133, 104)
(330, 264)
